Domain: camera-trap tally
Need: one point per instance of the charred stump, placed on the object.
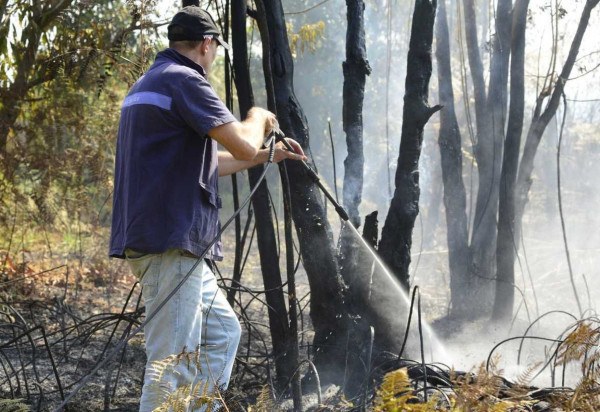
(396, 237)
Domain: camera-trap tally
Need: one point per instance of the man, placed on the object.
(165, 207)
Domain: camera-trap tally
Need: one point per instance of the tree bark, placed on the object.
(329, 317)
(540, 122)
(396, 237)
(265, 231)
(356, 68)
(475, 63)
(488, 152)
(455, 201)
(507, 243)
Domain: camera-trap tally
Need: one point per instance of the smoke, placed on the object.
(541, 268)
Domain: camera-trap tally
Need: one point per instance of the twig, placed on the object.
(560, 206)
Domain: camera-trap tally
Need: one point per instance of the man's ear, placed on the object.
(204, 46)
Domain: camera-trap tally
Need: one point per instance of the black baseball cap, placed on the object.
(194, 23)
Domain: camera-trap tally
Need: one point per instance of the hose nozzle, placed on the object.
(280, 137)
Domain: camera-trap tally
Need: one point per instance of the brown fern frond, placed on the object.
(577, 344)
(265, 401)
(525, 377)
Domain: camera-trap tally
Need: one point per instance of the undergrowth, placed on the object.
(485, 390)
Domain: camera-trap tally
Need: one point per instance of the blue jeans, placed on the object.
(196, 332)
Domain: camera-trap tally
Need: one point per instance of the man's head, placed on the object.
(194, 30)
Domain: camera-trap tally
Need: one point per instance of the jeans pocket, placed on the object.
(147, 269)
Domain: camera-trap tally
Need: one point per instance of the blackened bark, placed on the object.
(475, 63)
(370, 229)
(265, 231)
(356, 68)
(352, 254)
(396, 237)
(507, 243)
(449, 141)
(328, 314)
(240, 56)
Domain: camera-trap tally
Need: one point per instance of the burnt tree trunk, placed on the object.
(351, 256)
(396, 237)
(507, 243)
(265, 231)
(538, 126)
(356, 68)
(488, 152)
(475, 62)
(455, 200)
(329, 316)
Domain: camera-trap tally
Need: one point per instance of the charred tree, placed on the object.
(265, 231)
(504, 180)
(328, 313)
(539, 122)
(370, 229)
(356, 68)
(351, 256)
(488, 152)
(449, 142)
(396, 237)
(507, 243)
(490, 118)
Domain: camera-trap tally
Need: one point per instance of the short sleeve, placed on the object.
(197, 103)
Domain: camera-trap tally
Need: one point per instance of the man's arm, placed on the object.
(243, 139)
(228, 164)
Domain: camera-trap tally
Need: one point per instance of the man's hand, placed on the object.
(281, 153)
(243, 139)
(228, 164)
(269, 119)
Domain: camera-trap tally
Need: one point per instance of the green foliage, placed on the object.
(13, 405)
(396, 394)
(63, 74)
(307, 38)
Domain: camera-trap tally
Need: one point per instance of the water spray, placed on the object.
(388, 289)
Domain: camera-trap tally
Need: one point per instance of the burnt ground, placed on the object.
(60, 321)
(57, 325)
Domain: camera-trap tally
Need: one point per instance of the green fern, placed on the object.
(396, 395)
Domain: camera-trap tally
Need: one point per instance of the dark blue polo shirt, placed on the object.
(166, 190)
